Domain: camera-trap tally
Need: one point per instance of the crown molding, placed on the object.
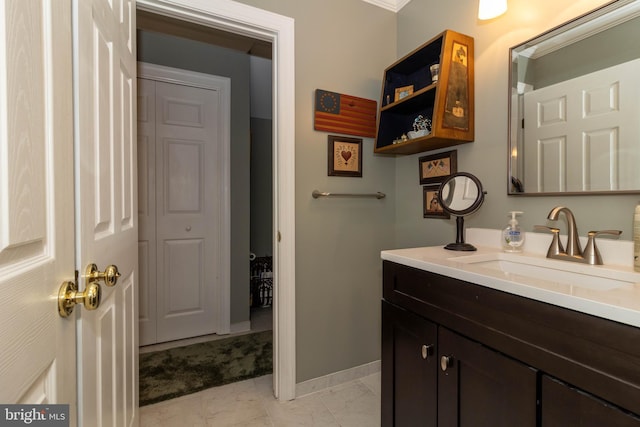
(392, 5)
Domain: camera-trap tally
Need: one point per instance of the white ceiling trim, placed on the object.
(392, 5)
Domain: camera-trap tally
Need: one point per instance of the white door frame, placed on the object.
(239, 18)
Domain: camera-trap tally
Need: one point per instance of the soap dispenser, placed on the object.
(512, 236)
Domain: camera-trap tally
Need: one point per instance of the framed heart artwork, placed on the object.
(345, 156)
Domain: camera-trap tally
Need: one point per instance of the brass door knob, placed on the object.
(68, 297)
(110, 274)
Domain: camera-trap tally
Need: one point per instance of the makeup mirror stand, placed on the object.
(460, 245)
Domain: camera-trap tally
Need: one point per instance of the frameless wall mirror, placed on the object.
(574, 106)
(460, 194)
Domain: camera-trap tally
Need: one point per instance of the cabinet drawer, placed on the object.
(563, 405)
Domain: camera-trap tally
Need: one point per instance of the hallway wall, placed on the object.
(261, 187)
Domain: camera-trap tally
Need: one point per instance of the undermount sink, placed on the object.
(517, 266)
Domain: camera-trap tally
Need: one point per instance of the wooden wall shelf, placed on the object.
(448, 102)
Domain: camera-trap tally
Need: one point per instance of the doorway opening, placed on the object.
(236, 18)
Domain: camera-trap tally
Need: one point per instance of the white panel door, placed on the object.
(107, 231)
(580, 135)
(37, 355)
(189, 199)
(183, 192)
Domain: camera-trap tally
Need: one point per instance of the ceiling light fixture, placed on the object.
(489, 9)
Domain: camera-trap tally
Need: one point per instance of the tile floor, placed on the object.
(251, 403)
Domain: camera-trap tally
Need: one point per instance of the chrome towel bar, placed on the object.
(317, 194)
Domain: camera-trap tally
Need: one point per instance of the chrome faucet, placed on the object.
(591, 254)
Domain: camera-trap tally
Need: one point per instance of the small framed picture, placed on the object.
(431, 207)
(436, 167)
(345, 156)
(403, 92)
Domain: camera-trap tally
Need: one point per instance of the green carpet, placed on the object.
(183, 370)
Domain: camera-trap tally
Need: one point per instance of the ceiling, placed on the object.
(188, 30)
(392, 5)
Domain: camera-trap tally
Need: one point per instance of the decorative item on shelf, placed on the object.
(456, 109)
(421, 127)
(431, 207)
(402, 138)
(435, 72)
(335, 112)
(436, 168)
(403, 92)
(344, 156)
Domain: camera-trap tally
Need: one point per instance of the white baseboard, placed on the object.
(336, 378)
(235, 328)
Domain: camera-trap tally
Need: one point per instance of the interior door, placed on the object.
(37, 355)
(106, 230)
(182, 208)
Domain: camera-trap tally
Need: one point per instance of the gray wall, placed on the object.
(341, 46)
(261, 187)
(175, 52)
(487, 156)
(344, 46)
(611, 47)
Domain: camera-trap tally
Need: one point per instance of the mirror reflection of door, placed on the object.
(581, 134)
(573, 103)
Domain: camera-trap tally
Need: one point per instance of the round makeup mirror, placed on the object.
(460, 194)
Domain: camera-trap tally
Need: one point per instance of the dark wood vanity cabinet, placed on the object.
(458, 354)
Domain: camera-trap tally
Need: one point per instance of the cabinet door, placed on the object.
(409, 369)
(568, 407)
(480, 387)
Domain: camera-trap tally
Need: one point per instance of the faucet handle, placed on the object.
(591, 252)
(556, 246)
(546, 228)
(597, 233)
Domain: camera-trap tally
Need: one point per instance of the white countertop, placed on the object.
(620, 303)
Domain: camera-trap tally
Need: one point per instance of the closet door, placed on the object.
(182, 146)
(187, 193)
